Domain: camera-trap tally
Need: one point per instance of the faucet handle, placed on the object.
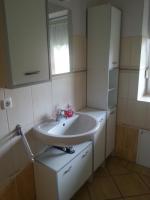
(60, 114)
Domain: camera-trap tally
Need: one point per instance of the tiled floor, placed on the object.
(118, 180)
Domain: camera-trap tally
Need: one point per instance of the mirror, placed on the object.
(59, 39)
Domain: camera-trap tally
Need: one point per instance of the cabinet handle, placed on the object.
(85, 154)
(68, 170)
(31, 73)
(112, 112)
(115, 63)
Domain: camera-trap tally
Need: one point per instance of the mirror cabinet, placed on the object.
(34, 37)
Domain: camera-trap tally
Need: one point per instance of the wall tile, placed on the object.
(123, 84)
(130, 52)
(147, 116)
(69, 89)
(22, 112)
(25, 183)
(80, 91)
(135, 51)
(19, 155)
(63, 90)
(20, 187)
(126, 142)
(136, 113)
(122, 110)
(3, 118)
(7, 166)
(140, 119)
(79, 52)
(125, 50)
(42, 101)
(133, 85)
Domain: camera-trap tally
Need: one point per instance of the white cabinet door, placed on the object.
(103, 55)
(73, 176)
(111, 129)
(27, 40)
(99, 144)
(114, 38)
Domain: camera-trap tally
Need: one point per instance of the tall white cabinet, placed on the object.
(103, 62)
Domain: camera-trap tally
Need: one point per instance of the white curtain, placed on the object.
(59, 46)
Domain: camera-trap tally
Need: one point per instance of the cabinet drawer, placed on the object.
(73, 176)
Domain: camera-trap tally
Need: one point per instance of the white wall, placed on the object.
(132, 12)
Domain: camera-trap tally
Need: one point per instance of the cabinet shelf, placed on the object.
(112, 98)
(113, 78)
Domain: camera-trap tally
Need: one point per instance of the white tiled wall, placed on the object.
(131, 111)
(70, 89)
(130, 52)
(42, 101)
(22, 110)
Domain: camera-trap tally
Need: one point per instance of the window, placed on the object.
(144, 73)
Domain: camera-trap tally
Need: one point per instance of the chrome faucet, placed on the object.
(60, 114)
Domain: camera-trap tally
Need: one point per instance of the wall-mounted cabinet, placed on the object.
(23, 43)
(103, 62)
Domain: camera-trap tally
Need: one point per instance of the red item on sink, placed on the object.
(68, 113)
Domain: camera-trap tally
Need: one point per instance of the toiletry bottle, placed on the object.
(69, 111)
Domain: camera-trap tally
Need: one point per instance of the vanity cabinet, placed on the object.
(23, 43)
(99, 139)
(59, 175)
(99, 142)
(104, 23)
(111, 132)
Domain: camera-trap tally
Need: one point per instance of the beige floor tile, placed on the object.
(117, 166)
(9, 192)
(131, 184)
(101, 172)
(146, 180)
(103, 188)
(82, 194)
(138, 169)
(145, 197)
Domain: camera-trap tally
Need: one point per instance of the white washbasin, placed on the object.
(74, 130)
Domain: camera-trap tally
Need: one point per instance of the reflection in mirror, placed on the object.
(58, 26)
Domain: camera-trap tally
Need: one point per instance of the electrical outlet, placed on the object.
(6, 103)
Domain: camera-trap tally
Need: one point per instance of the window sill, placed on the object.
(145, 98)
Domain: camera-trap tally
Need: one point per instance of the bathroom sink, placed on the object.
(74, 130)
